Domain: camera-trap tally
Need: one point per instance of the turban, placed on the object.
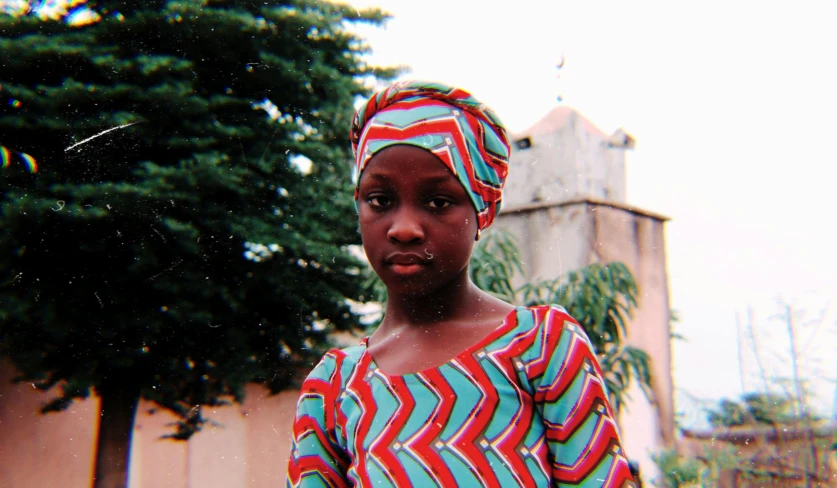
(450, 123)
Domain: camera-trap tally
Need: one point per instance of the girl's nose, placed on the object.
(405, 229)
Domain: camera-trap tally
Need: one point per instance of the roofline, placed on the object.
(583, 201)
(769, 433)
(528, 132)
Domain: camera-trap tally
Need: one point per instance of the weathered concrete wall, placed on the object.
(249, 450)
(555, 239)
(43, 450)
(569, 158)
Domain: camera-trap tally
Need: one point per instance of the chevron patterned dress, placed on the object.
(526, 406)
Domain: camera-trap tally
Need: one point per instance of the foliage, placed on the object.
(494, 264)
(779, 463)
(674, 318)
(680, 471)
(601, 297)
(179, 252)
(789, 444)
(729, 414)
(754, 408)
(677, 471)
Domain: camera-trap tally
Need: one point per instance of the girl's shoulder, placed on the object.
(554, 318)
(529, 328)
(548, 311)
(550, 316)
(545, 326)
(335, 362)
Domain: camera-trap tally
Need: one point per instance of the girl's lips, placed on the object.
(405, 258)
(407, 269)
(406, 264)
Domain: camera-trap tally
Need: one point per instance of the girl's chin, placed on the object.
(417, 279)
(408, 283)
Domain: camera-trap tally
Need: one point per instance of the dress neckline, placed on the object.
(488, 339)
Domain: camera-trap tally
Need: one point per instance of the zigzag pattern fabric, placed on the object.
(524, 407)
(465, 134)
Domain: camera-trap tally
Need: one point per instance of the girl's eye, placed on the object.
(379, 201)
(439, 203)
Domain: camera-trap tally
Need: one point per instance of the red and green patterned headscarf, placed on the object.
(465, 134)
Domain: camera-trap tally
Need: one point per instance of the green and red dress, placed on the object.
(526, 406)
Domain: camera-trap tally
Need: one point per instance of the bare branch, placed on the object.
(756, 349)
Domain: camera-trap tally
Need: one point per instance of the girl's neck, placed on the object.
(458, 299)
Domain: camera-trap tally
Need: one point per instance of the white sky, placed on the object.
(733, 106)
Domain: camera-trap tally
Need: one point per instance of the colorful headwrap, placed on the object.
(465, 134)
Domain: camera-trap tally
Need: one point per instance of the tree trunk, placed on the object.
(113, 447)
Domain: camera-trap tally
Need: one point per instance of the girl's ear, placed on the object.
(478, 235)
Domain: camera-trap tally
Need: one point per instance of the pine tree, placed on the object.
(165, 242)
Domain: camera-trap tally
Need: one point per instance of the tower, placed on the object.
(565, 200)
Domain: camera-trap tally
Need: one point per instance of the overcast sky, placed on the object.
(733, 106)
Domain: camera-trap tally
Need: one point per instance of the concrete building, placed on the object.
(566, 200)
(565, 195)
(565, 157)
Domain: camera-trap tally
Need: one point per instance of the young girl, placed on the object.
(456, 387)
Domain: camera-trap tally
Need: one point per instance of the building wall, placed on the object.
(40, 451)
(569, 158)
(558, 238)
(249, 449)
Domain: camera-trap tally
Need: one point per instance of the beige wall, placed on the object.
(43, 451)
(569, 158)
(555, 239)
(249, 450)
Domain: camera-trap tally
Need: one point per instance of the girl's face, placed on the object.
(417, 222)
